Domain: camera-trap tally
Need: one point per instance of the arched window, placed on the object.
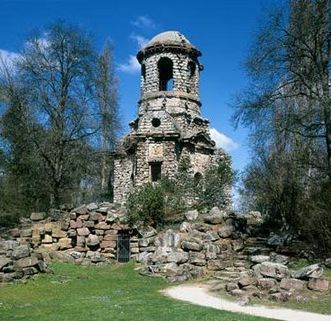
(197, 178)
(191, 66)
(165, 67)
(143, 71)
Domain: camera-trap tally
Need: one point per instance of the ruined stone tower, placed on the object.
(169, 123)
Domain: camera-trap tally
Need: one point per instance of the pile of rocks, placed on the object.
(87, 234)
(18, 261)
(205, 243)
(269, 276)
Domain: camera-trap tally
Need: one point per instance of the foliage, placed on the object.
(215, 187)
(58, 120)
(164, 201)
(288, 109)
(146, 204)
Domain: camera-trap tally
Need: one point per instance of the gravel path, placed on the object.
(198, 294)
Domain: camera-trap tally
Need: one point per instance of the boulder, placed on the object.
(191, 246)
(147, 231)
(279, 240)
(83, 231)
(178, 257)
(211, 236)
(211, 251)
(259, 258)
(21, 251)
(215, 216)
(8, 245)
(65, 243)
(95, 257)
(47, 239)
(292, 284)
(96, 217)
(107, 244)
(4, 261)
(58, 233)
(266, 283)
(30, 270)
(197, 258)
(311, 271)
(26, 232)
(246, 278)
(280, 296)
(146, 242)
(26, 262)
(81, 210)
(191, 215)
(92, 206)
(328, 262)
(92, 240)
(37, 216)
(185, 227)
(278, 258)
(216, 265)
(318, 284)
(226, 231)
(238, 245)
(273, 270)
(171, 269)
(231, 286)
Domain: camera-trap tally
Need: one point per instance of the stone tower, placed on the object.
(169, 124)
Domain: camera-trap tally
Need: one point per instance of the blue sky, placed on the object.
(222, 30)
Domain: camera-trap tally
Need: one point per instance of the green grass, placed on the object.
(115, 292)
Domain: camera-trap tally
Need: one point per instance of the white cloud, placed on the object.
(222, 141)
(141, 40)
(8, 57)
(132, 66)
(144, 22)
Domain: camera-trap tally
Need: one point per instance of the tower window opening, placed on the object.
(197, 178)
(156, 122)
(165, 67)
(155, 171)
(191, 68)
(143, 71)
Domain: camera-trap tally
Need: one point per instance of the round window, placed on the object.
(156, 122)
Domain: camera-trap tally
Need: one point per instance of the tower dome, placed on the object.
(168, 37)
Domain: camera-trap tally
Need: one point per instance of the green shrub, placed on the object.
(146, 204)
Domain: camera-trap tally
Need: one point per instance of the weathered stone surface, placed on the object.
(58, 233)
(191, 215)
(280, 296)
(37, 216)
(178, 256)
(191, 246)
(185, 227)
(238, 245)
(146, 241)
(65, 243)
(83, 231)
(273, 270)
(26, 232)
(81, 210)
(318, 284)
(226, 231)
(147, 231)
(8, 245)
(293, 284)
(21, 251)
(231, 286)
(92, 240)
(95, 257)
(102, 226)
(197, 258)
(311, 271)
(211, 251)
(266, 283)
(25, 262)
(215, 216)
(108, 244)
(96, 217)
(278, 258)
(216, 265)
(47, 239)
(92, 206)
(328, 262)
(4, 261)
(30, 270)
(259, 258)
(245, 279)
(168, 239)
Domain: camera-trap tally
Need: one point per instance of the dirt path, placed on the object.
(198, 294)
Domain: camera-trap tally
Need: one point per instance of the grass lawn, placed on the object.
(115, 292)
